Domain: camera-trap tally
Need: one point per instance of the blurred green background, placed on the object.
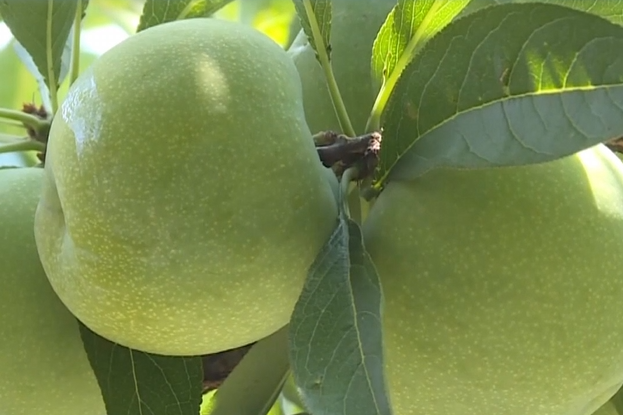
(109, 22)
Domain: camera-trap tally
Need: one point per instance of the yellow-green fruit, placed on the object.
(184, 199)
(501, 287)
(42, 360)
(354, 26)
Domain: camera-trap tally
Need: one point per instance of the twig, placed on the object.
(615, 144)
(217, 366)
(343, 152)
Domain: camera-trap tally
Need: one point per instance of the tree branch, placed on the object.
(341, 152)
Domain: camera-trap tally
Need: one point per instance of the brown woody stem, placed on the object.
(615, 144)
(341, 152)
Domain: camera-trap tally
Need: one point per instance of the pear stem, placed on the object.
(348, 176)
(615, 144)
(28, 120)
(217, 366)
(22, 145)
(9, 138)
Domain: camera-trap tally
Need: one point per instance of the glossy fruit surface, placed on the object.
(43, 363)
(184, 199)
(354, 26)
(501, 287)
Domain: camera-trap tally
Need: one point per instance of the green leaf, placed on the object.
(138, 383)
(508, 85)
(277, 409)
(336, 347)
(610, 10)
(254, 385)
(315, 18)
(406, 30)
(290, 393)
(156, 12)
(42, 29)
(17, 87)
(44, 91)
(617, 400)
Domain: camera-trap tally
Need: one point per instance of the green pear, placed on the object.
(184, 199)
(354, 26)
(45, 369)
(502, 287)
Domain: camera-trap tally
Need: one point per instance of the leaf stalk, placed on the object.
(323, 57)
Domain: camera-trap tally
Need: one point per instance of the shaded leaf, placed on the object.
(42, 28)
(255, 383)
(277, 409)
(508, 85)
(617, 401)
(28, 62)
(336, 347)
(14, 91)
(315, 18)
(156, 12)
(610, 10)
(138, 383)
(44, 91)
(17, 87)
(407, 28)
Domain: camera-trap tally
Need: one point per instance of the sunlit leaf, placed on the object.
(609, 9)
(315, 19)
(407, 28)
(405, 31)
(513, 84)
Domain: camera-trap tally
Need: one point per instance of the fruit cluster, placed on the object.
(183, 200)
